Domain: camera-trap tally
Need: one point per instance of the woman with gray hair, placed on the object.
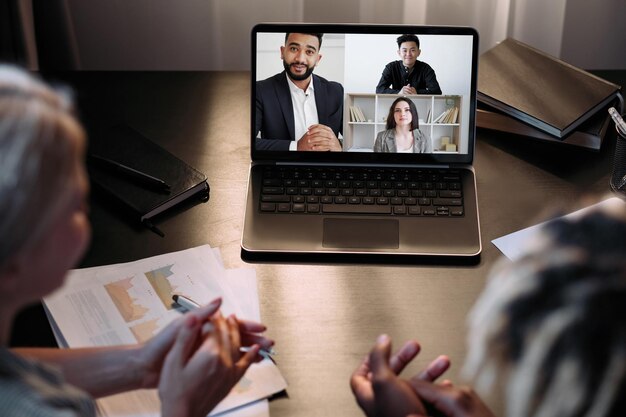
(547, 336)
(45, 230)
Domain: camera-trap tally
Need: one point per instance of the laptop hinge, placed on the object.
(371, 165)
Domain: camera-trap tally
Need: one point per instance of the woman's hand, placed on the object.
(151, 355)
(201, 368)
(377, 387)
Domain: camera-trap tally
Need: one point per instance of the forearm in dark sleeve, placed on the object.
(385, 81)
(432, 86)
(258, 122)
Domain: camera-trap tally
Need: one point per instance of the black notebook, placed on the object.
(539, 89)
(125, 146)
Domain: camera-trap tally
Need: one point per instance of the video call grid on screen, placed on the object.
(357, 60)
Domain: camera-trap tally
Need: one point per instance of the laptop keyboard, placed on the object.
(369, 191)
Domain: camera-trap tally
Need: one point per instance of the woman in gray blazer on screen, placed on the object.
(403, 134)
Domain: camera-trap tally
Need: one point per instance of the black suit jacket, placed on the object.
(274, 110)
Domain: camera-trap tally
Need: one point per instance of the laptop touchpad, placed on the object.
(361, 233)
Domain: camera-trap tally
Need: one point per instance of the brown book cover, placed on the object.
(589, 135)
(539, 89)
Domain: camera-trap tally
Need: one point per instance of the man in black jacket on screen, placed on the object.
(408, 75)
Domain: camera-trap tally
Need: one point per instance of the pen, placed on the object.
(619, 122)
(132, 172)
(189, 304)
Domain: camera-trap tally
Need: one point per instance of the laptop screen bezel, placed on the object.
(364, 157)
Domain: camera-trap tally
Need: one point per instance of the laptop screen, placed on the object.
(363, 93)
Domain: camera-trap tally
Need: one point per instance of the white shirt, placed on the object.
(304, 110)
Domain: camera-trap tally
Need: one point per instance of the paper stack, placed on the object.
(131, 302)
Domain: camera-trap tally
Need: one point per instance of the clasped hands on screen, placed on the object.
(319, 138)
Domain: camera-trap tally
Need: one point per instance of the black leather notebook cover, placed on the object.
(539, 89)
(126, 146)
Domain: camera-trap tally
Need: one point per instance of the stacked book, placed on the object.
(527, 92)
(357, 115)
(449, 115)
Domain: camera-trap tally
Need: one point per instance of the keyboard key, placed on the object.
(312, 199)
(424, 201)
(275, 198)
(368, 200)
(298, 208)
(354, 200)
(356, 209)
(340, 200)
(428, 212)
(298, 199)
(382, 200)
(268, 207)
(447, 202)
(396, 201)
(273, 190)
(456, 211)
(399, 210)
(313, 208)
(284, 207)
(450, 194)
(326, 199)
(414, 210)
(410, 201)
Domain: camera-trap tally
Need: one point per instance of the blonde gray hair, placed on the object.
(36, 159)
(550, 329)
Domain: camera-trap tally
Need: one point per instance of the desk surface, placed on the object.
(324, 318)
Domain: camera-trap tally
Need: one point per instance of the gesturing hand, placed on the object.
(152, 353)
(199, 371)
(377, 387)
(451, 401)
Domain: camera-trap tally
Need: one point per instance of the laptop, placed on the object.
(346, 161)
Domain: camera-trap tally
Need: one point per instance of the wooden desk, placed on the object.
(324, 318)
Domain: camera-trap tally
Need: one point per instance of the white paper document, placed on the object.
(131, 302)
(516, 245)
